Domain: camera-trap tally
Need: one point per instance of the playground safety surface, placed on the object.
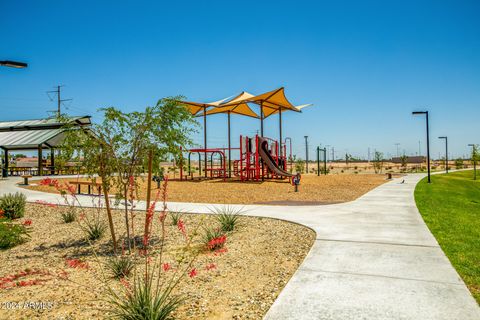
(313, 190)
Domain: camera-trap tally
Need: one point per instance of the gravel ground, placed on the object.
(262, 256)
(312, 190)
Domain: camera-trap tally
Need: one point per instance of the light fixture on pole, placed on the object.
(13, 64)
(446, 152)
(428, 140)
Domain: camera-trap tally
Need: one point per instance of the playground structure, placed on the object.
(260, 157)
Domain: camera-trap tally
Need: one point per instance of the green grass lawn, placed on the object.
(450, 206)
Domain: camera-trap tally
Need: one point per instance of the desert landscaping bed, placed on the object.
(261, 256)
(312, 190)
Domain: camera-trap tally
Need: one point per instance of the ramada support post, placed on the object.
(6, 162)
(40, 160)
(52, 159)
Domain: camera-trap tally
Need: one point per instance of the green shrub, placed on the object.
(12, 234)
(227, 217)
(69, 215)
(121, 266)
(13, 205)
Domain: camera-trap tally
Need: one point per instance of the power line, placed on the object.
(59, 99)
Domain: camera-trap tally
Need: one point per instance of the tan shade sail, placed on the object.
(196, 107)
(273, 101)
(237, 105)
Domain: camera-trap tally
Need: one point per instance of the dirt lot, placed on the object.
(313, 189)
(262, 256)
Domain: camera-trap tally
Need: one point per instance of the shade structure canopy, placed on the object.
(38, 133)
(237, 105)
(29, 140)
(273, 102)
(196, 107)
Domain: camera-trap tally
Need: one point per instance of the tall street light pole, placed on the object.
(306, 152)
(474, 159)
(428, 140)
(446, 152)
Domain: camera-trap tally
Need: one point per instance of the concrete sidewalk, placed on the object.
(373, 258)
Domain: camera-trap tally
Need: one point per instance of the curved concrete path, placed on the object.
(373, 258)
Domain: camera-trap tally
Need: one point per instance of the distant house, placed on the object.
(410, 159)
(30, 162)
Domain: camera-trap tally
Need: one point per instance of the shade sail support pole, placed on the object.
(280, 126)
(261, 118)
(229, 148)
(205, 137)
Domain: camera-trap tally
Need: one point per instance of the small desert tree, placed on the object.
(475, 158)
(117, 149)
(378, 162)
(403, 161)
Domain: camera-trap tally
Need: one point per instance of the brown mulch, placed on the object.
(313, 189)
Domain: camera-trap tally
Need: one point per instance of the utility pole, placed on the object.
(368, 154)
(397, 144)
(306, 152)
(59, 99)
(333, 154)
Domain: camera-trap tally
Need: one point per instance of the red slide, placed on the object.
(269, 161)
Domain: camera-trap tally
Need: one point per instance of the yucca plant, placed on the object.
(93, 227)
(144, 301)
(175, 217)
(120, 266)
(227, 217)
(13, 205)
(69, 214)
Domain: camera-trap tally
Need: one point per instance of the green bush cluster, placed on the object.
(13, 205)
(12, 234)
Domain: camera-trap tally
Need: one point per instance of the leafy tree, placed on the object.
(459, 163)
(116, 150)
(403, 161)
(475, 158)
(378, 162)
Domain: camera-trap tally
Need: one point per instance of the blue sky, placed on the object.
(365, 65)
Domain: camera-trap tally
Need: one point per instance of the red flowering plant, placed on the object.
(49, 182)
(151, 290)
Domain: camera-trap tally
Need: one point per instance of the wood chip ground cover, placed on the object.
(313, 190)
